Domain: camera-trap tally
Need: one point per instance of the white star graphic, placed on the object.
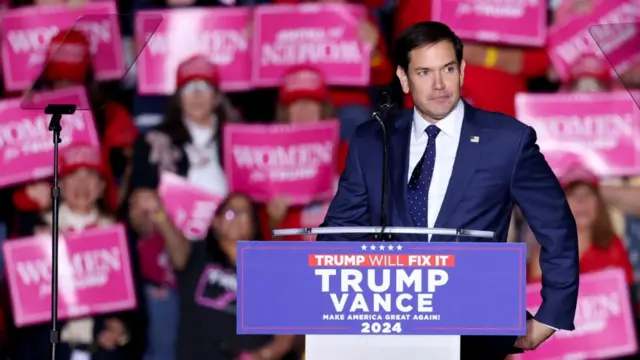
(373, 247)
(364, 247)
(390, 247)
(399, 247)
(381, 247)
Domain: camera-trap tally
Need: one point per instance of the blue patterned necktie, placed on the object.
(418, 192)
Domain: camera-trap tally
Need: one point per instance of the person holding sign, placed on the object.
(452, 165)
(206, 273)
(187, 143)
(69, 65)
(82, 187)
(599, 247)
(304, 98)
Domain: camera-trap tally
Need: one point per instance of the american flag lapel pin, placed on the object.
(475, 139)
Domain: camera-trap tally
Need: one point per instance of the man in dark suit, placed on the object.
(455, 166)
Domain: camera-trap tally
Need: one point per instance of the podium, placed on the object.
(382, 300)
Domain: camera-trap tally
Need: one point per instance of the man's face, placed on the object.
(434, 79)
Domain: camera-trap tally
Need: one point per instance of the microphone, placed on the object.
(384, 106)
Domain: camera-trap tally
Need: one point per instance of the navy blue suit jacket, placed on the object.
(504, 167)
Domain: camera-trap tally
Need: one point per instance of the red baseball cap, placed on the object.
(76, 157)
(590, 66)
(197, 67)
(579, 174)
(69, 57)
(303, 82)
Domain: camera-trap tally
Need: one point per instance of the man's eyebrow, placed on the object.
(450, 63)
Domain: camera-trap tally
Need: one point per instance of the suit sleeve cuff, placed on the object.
(549, 326)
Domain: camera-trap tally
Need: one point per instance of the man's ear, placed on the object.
(404, 80)
(463, 64)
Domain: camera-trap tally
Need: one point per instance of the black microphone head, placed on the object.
(384, 100)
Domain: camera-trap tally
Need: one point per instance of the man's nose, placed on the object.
(438, 82)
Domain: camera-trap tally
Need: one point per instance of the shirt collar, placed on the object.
(450, 125)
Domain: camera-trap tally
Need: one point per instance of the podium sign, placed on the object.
(381, 288)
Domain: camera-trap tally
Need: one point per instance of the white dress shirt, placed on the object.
(446, 150)
(205, 171)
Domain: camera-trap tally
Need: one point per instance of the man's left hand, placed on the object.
(537, 333)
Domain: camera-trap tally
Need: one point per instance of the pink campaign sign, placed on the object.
(298, 161)
(94, 275)
(604, 321)
(598, 130)
(221, 34)
(610, 29)
(515, 22)
(322, 35)
(26, 144)
(27, 32)
(191, 209)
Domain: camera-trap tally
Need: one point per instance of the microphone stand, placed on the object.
(380, 117)
(56, 111)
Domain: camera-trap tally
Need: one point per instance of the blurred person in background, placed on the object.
(254, 104)
(69, 64)
(353, 104)
(188, 142)
(589, 74)
(599, 247)
(82, 185)
(304, 99)
(494, 73)
(207, 326)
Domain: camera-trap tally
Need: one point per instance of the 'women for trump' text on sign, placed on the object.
(218, 33)
(26, 146)
(95, 275)
(298, 161)
(321, 35)
(515, 22)
(27, 31)
(598, 130)
(605, 325)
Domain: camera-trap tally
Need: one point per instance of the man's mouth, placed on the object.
(440, 98)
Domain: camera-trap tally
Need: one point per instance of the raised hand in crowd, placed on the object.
(76, 3)
(180, 2)
(42, 230)
(40, 193)
(113, 335)
(570, 8)
(144, 205)
(509, 60)
(368, 33)
(277, 209)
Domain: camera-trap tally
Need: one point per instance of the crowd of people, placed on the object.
(142, 136)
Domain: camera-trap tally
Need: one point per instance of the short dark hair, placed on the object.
(421, 34)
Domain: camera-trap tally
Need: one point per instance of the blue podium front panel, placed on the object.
(381, 288)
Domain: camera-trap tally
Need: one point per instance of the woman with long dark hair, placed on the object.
(207, 326)
(188, 143)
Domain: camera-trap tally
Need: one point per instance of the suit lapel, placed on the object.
(467, 159)
(399, 165)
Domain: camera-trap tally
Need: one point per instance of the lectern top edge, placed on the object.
(387, 230)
